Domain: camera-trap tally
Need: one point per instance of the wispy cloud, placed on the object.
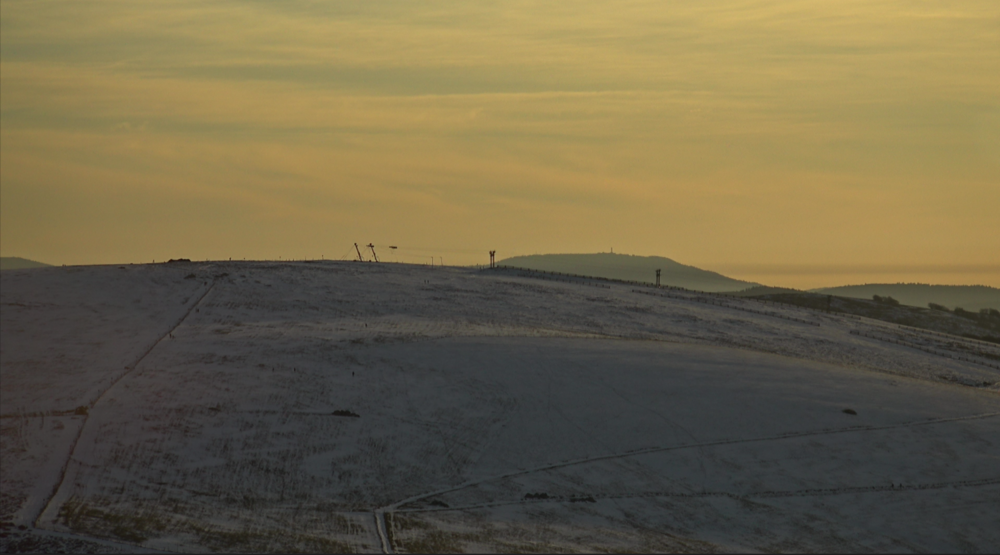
(700, 130)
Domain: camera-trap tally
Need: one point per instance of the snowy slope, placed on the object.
(497, 410)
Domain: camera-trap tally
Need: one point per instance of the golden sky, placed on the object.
(801, 143)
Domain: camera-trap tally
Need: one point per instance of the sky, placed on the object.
(799, 143)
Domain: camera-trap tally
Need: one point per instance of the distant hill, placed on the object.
(17, 263)
(764, 290)
(968, 297)
(629, 267)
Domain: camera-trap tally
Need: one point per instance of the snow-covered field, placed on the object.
(190, 407)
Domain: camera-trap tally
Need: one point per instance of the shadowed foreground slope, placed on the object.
(194, 407)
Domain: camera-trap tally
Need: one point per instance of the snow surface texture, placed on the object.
(190, 407)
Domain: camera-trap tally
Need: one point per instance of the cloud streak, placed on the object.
(698, 130)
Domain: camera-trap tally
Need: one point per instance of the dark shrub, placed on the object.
(959, 311)
(885, 300)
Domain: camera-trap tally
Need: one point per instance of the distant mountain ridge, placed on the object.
(968, 297)
(630, 267)
(18, 263)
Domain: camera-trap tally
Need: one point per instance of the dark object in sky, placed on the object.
(850, 411)
(346, 413)
(175, 260)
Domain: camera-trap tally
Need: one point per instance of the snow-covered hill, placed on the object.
(193, 407)
(18, 263)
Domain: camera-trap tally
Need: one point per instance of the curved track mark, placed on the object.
(751, 495)
(790, 435)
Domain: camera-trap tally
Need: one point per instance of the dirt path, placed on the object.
(383, 534)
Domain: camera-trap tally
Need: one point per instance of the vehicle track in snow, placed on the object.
(383, 534)
(36, 520)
